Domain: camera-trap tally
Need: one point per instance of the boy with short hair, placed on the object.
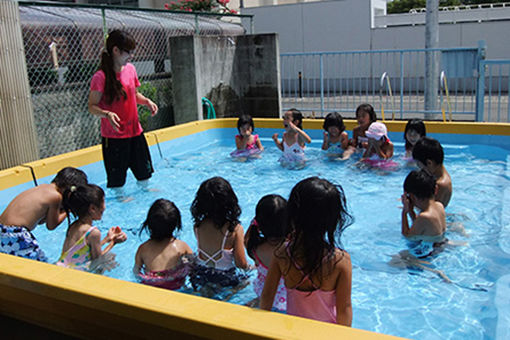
(429, 155)
(419, 189)
(38, 205)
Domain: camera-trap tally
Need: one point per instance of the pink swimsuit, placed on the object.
(280, 299)
(169, 279)
(316, 304)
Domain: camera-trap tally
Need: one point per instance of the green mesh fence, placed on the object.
(63, 44)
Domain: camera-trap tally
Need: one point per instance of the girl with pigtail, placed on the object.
(266, 232)
(83, 242)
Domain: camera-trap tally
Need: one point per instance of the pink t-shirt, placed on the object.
(125, 109)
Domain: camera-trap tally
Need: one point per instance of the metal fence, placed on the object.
(393, 81)
(493, 91)
(63, 44)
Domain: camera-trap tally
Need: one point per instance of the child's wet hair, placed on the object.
(334, 119)
(243, 120)
(68, 177)
(78, 199)
(296, 115)
(216, 200)
(270, 222)
(420, 184)
(317, 216)
(163, 219)
(417, 125)
(369, 109)
(428, 148)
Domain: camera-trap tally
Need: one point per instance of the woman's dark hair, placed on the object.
(420, 184)
(417, 125)
(368, 109)
(297, 115)
(113, 89)
(317, 212)
(243, 120)
(334, 119)
(68, 177)
(78, 199)
(216, 200)
(269, 223)
(162, 220)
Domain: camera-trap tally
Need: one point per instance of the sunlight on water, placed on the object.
(414, 303)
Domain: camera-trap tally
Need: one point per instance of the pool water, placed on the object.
(415, 303)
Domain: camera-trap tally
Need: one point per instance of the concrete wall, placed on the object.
(317, 26)
(237, 74)
(344, 25)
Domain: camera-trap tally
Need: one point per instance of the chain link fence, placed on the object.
(63, 44)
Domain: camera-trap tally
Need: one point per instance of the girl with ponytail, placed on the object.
(83, 241)
(266, 232)
(114, 97)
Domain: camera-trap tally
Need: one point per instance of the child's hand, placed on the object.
(275, 137)
(326, 136)
(406, 202)
(119, 237)
(292, 126)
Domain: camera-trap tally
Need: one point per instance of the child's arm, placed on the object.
(408, 209)
(354, 141)
(388, 151)
(259, 144)
(55, 215)
(240, 143)
(343, 291)
(277, 142)
(138, 261)
(301, 133)
(270, 285)
(325, 141)
(113, 237)
(239, 254)
(344, 140)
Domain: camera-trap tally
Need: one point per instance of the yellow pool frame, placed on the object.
(94, 306)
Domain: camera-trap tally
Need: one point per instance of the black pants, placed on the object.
(119, 154)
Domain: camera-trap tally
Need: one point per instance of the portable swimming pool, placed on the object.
(413, 302)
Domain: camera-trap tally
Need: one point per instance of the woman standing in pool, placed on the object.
(317, 274)
(114, 97)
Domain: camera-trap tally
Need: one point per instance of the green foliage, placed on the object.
(215, 6)
(151, 92)
(404, 6)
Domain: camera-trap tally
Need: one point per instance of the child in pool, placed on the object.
(220, 236)
(365, 115)
(379, 145)
(335, 139)
(159, 261)
(429, 225)
(294, 138)
(415, 129)
(266, 232)
(38, 205)
(245, 140)
(429, 155)
(83, 242)
(317, 274)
